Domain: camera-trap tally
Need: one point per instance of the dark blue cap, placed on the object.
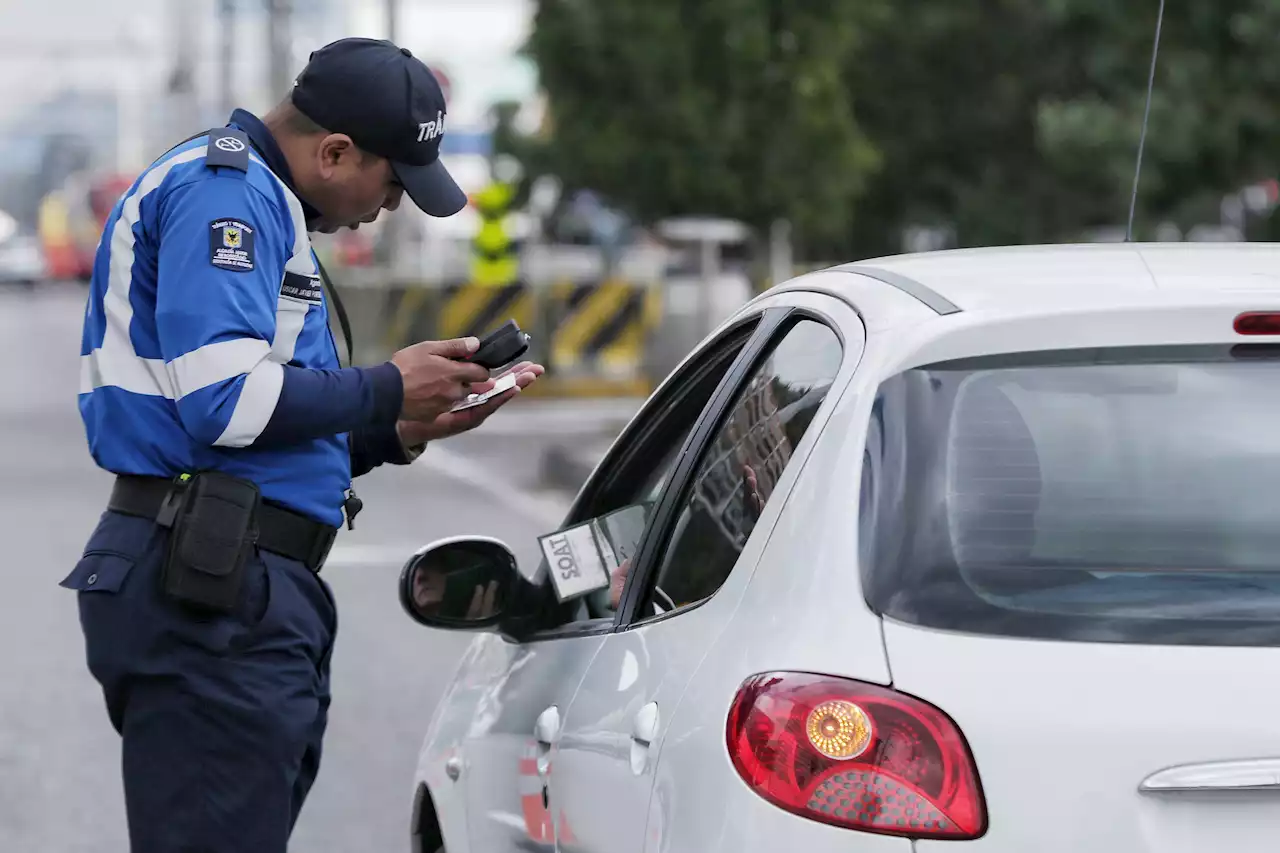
(391, 105)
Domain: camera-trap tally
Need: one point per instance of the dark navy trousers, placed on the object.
(221, 717)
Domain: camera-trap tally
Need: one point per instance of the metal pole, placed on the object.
(227, 21)
(710, 266)
(185, 112)
(394, 231)
(279, 45)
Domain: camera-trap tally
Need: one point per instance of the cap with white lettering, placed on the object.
(391, 105)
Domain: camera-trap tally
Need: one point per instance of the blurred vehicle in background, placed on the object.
(22, 258)
(71, 219)
(904, 533)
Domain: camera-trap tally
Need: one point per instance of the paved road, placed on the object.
(59, 758)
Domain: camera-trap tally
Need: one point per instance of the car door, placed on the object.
(728, 489)
(521, 680)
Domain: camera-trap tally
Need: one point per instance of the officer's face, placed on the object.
(352, 187)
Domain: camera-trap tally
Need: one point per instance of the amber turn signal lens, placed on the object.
(839, 729)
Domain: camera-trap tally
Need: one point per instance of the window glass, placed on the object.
(604, 603)
(640, 473)
(739, 471)
(1117, 496)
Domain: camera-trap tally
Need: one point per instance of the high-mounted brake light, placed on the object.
(855, 755)
(1258, 323)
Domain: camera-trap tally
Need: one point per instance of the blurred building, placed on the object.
(105, 90)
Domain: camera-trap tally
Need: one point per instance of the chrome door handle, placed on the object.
(644, 730)
(547, 732)
(1251, 774)
(645, 726)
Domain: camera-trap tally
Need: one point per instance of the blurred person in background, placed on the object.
(212, 388)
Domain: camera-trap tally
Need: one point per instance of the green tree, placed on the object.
(1214, 121)
(733, 108)
(1018, 121)
(949, 92)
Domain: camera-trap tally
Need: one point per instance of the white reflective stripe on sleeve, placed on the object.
(291, 315)
(214, 363)
(115, 363)
(111, 367)
(300, 261)
(258, 397)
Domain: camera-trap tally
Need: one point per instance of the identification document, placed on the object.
(580, 559)
(505, 383)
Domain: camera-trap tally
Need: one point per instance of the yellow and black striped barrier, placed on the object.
(494, 293)
(591, 337)
(477, 309)
(597, 335)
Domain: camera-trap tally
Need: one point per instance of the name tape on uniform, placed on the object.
(574, 561)
(304, 288)
(231, 245)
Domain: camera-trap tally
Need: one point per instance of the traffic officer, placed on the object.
(211, 386)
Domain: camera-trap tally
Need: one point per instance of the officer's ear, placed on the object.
(337, 152)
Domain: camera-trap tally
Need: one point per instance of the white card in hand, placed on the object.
(505, 383)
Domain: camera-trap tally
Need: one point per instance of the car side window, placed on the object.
(742, 465)
(639, 470)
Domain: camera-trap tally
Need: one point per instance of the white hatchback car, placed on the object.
(977, 546)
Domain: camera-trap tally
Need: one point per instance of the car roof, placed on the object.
(1032, 279)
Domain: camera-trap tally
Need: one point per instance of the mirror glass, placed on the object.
(462, 583)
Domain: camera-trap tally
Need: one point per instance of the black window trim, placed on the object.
(773, 327)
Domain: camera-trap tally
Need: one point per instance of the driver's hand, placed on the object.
(482, 601)
(751, 486)
(618, 580)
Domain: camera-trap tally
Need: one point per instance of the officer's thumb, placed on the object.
(453, 348)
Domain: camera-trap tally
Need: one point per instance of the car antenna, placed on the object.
(1146, 117)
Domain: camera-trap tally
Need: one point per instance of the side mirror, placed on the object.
(462, 583)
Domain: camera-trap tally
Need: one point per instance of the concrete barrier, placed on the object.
(616, 336)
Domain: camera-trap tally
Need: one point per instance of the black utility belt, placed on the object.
(217, 513)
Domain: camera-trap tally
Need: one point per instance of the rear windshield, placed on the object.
(1126, 496)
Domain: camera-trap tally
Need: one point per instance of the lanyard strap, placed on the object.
(338, 307)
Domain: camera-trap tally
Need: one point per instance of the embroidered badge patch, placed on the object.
(231, 245)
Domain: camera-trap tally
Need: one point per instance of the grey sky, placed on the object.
(49, 45)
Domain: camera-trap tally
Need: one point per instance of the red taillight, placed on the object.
(855, 755)
(1258, 323)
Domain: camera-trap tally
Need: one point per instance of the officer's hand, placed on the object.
(434, 379)
(413, 433)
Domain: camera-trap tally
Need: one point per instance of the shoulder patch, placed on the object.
(304, 288)
(231, 245)
(228, 147)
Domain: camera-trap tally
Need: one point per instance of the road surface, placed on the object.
(60, 790)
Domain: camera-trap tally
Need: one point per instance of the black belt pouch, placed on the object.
(215, 528)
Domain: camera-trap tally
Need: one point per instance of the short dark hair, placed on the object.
(297, 122)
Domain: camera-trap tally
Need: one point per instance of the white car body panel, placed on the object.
(1094, 720)
(602, 774)
(1064, 733)
(802, 610)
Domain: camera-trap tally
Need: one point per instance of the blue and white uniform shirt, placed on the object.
(206, 339)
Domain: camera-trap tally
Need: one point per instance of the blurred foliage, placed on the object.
(707, 107)
(1008, 121)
